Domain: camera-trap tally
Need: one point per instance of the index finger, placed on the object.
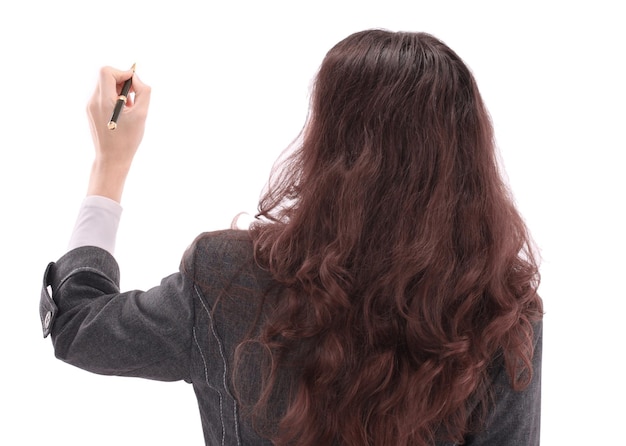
(111, 77)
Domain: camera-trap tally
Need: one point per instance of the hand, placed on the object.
(115, 149)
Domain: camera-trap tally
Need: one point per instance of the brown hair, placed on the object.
(405, 264)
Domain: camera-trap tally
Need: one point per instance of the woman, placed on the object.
(386, 294)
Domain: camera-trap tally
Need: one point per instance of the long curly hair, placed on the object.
(404, 264)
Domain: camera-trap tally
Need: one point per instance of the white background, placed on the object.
(230, 91)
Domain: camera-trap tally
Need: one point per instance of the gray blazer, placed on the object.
(174, 331)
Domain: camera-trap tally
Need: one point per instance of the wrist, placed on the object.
(107, 179)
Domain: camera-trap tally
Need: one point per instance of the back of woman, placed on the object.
(408, 273)
(386, 294)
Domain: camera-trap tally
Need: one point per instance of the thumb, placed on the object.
(142, 92)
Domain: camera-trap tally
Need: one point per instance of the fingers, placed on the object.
(112, 79)
(110, 76)
(108, 90)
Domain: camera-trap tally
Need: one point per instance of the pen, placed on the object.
(121, 100)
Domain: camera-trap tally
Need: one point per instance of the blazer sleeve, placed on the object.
(97, 328)
(515, 417)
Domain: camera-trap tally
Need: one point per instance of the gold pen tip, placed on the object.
(133, 67)
(112, 125)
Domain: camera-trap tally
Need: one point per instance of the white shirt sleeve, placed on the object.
(96, 224)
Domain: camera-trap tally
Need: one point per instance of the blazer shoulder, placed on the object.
(218, 251)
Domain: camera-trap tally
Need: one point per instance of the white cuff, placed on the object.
(97, 223)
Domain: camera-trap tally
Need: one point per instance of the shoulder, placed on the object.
(223, 248)
(221, 252)
(227, 241)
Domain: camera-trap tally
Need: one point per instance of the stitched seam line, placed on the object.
(206, 378)
(224, 377)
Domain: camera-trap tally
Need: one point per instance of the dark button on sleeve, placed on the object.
(47, 307)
